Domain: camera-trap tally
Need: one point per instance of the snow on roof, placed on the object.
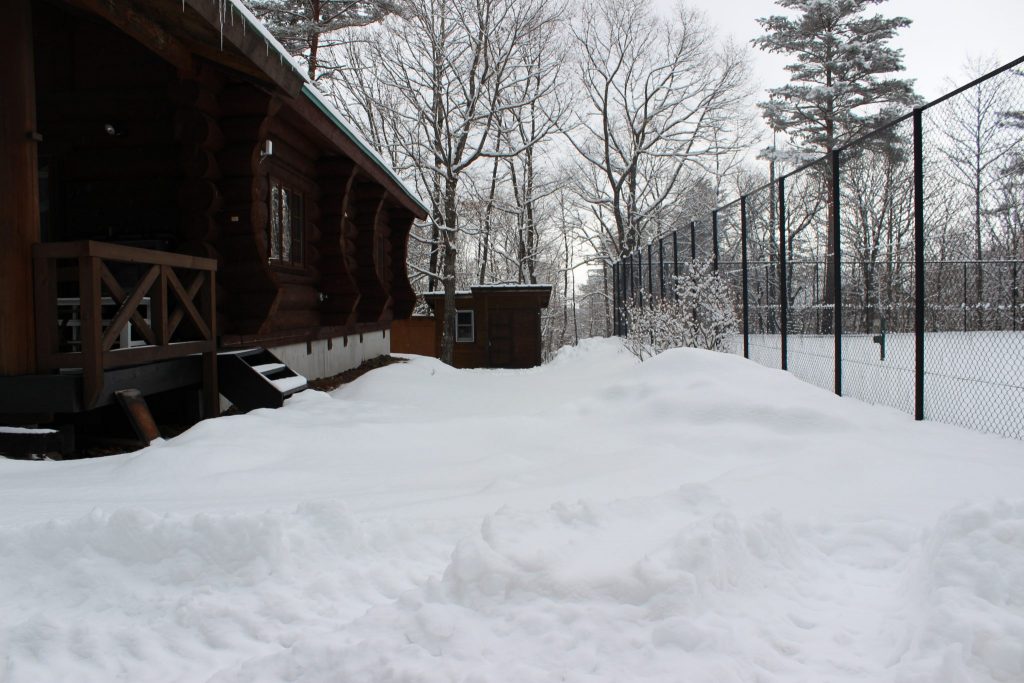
(509, 287)
(313, 93)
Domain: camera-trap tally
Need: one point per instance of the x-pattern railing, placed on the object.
(179, 293)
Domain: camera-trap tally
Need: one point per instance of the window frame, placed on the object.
(285, 181)
(472, 326)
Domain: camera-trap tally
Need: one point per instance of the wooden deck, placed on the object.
(110, 282)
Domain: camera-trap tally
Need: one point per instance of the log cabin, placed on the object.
(175, 195)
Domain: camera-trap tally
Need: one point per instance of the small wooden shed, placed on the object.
(497, 326)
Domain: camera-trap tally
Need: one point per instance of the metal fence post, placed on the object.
(661, 267)
(964, 289)
(693, 240)
(783, 287)
(918, 265)
(640, 275)
(714, 238)
(675, 253)
(837, 276)
(615, 299)
(629, 290)
(746, 293)
(650, 271)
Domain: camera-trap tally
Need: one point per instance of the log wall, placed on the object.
(107, 122)
(19, 202)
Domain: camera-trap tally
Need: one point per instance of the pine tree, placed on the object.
(838, 87)
(304, 27)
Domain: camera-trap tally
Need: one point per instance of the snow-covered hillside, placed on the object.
(694, 518)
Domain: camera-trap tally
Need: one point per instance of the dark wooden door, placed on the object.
(500, 350)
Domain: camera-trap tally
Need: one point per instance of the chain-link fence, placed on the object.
(890, 270)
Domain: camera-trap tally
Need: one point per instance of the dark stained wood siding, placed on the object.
(366, 206)
(19, 204)
(183, 170)
(249, 288)
(121, 186)
(336, 176)
(506, 326)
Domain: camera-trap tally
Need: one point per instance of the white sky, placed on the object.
(935, 46)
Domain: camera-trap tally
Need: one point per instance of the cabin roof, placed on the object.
(312, 93)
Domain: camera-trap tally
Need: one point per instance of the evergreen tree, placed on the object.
(304, 27)
(838, 86)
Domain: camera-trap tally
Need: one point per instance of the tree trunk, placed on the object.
(448, 273)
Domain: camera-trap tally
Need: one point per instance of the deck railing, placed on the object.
(101, 306)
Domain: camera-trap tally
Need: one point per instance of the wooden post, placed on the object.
(45, 276)
(211, 391)
(19, 189)
(91, 295)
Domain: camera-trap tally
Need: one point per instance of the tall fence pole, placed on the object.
(616, 298)
(837, 276)
(630, 290)
(714, 238)
(783, 287)
(650, 272)
(693, 240)
(675, 253)
(661, 266)
(640, 274)
(746, 292)
(918, 265)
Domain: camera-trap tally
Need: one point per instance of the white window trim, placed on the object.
(472, 327)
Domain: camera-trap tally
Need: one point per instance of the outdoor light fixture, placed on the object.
(111, 130)
(268, 149)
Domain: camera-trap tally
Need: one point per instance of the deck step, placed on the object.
(33, 443)
(256, 378)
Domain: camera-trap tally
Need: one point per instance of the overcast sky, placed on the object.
(935, 46)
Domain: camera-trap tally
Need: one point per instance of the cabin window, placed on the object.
(464, 326)
(287, 225)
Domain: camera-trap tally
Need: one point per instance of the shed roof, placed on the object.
(543, 292)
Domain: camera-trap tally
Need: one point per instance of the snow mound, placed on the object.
(206, 588)
(604, 350)
(970, 586)
(695, 517)
(582, 591)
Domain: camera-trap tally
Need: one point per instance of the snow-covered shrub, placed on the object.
(708, 305)
(653, 327)
(699, 313)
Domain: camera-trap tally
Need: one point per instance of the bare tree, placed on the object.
(442, 75)
(979, 146)
(658, 97)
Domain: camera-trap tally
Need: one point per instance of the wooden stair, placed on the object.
(256, 378)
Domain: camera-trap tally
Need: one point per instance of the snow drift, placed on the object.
(695, 517)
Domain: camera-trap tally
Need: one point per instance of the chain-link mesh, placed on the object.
(877, 244)
(974, 221)
(763, 289)
(730, 259)
(810, 343)
(971, 305)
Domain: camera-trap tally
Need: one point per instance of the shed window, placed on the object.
(287, 225)
(464, 326)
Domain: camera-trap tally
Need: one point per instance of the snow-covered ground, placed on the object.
(694, 518)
